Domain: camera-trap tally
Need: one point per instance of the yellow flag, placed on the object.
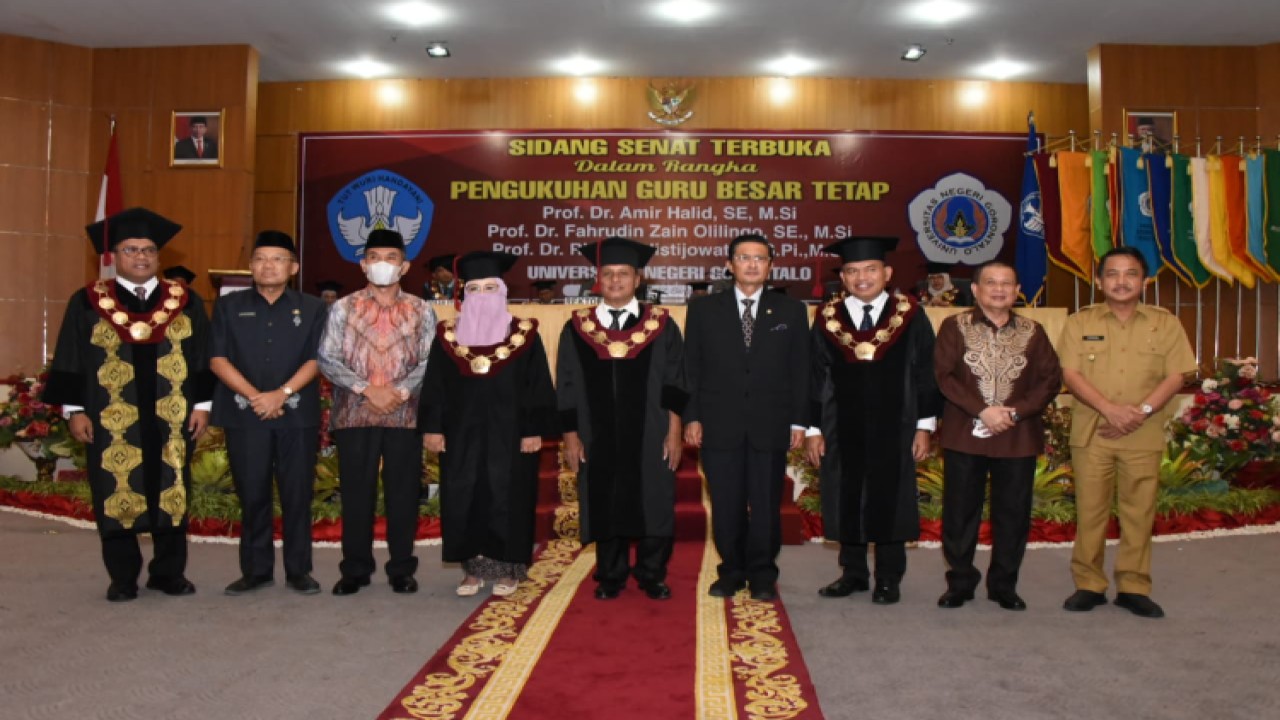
(1219, 230)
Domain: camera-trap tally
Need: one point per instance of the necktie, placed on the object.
(200, 148)
(617, 319)
(748, 322)
(141, 292)
(866, 318)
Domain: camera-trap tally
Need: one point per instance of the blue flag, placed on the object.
(1160, 180)
(1137, 228)
(1032, 258)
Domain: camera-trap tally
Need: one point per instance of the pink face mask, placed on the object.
(484, 319)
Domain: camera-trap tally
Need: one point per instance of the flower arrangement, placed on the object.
(1231, 420)
(37, 428)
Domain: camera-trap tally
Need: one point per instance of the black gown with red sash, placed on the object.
(616, 389)
(137, 368)
(484, 400)
(869, 390)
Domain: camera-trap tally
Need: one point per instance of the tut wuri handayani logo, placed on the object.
(960, 220)
(376, 200)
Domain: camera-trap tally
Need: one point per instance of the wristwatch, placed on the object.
(1146, 409)
(286, 390)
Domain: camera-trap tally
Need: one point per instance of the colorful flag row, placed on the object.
(1199, 217)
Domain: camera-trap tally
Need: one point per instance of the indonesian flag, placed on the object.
(110, 201)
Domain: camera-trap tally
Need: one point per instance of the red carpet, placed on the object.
(554, 651)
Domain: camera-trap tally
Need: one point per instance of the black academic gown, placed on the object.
(139, 436)
(867, 412)
(488, 488)
(620, 409)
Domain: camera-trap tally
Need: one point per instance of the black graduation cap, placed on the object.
(544, 284)
(383, 238)
(934, 268)
(441, 261)
(618, 251)
(134, 223)
(333, 285)
(276, 239)
(696, 286)
(179, 272)
(484, 264)
(857, 249)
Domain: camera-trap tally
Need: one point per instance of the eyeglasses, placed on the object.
(135, 251)
(751, 258)
(273, 260)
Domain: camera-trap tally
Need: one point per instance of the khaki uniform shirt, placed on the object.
(1125, 362)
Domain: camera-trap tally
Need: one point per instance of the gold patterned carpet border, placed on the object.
(478, 673)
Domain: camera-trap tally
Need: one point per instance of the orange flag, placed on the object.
(1074, 180)
(1237, 217)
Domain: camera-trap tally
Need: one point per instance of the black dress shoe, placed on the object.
(303, 584)
(349, 585)
(247, 585)
(844, 587)
(404, 584)
(607, 592)
(1084, 601)
(1139, 605)
(764, 594)
(725, 588)
(1007, 599)
(954, 598)
(118, 593)
(886, 594)
(172, 586)
(656, 590)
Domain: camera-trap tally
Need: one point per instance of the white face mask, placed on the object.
(383, 273)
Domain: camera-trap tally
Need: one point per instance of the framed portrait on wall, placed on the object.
(196, 139)
(1151, 129)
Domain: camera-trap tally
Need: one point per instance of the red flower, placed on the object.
(1237, 445)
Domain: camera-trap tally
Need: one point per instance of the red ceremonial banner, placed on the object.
(949, 197)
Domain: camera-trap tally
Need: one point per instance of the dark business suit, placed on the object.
(185, 149)
(747, 399)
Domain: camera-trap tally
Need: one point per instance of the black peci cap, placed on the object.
(132, 224)
(325, 285)
(383, 238)
(276, 239)
(179, 272)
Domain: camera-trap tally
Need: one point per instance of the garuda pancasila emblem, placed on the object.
(669, 105)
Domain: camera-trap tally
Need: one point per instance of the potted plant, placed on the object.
(38, 429)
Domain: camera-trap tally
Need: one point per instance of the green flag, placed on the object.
(1100, 197)
(1184, 228)
(1271, 212)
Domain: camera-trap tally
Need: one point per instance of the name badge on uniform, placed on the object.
(297, 317)
(250, 313)
(1094, 338)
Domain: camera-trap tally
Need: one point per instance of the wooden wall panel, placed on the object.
(1268, 93)
(44, 112)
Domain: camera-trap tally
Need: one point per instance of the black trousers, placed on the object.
(123, 557)
(963, 489)
(613, 560)
(360, 451)
(745, 485)
(891, 561)
(288, 454)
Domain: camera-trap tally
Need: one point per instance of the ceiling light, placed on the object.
(790, 65)
(578, 65)
(415, 14)
(1001, 69)
(939, 12)
(913, 53)
(438, 50)
(365, 68)
(686, 11)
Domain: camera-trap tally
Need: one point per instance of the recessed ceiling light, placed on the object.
(438, 50)
(415, 14)
(939, 12)
(365, 68)
(789, 65)
(1002, 69)
(578, 65)
(684, 10)
(913, 53)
